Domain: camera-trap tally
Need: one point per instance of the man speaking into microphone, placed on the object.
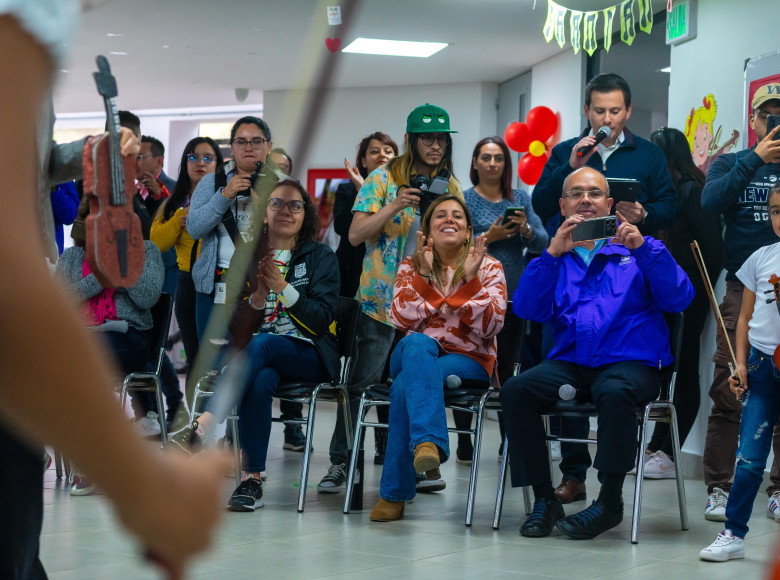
(609, 147)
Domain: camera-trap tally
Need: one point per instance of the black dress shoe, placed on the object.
(590, 522)
(542, 519)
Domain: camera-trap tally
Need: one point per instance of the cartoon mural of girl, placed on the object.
(699, 130)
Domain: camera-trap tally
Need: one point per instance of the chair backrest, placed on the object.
(347, 316)
(161, 322)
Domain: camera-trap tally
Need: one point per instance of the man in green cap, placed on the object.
(386, 218)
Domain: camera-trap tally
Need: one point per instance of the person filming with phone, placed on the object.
(605, 300)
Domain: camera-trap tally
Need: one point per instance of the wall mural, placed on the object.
(702, 136)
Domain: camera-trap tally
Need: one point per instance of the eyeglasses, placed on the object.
(207, 159)
(428, 139)
(276, 204)
(140, 157)
(256, 142)
(578, 194)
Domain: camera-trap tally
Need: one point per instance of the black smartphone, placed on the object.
(621, 189)
(595, 229)
(509, 212)
(772, 121)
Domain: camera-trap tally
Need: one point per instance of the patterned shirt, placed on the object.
(276, 318)
(385, 251)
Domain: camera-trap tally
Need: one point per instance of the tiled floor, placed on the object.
(81, 539)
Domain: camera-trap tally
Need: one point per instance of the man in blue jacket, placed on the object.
(623, 155)
(605, 301)
(737, 187)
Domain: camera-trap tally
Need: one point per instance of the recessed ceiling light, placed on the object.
(114, 34)
(118, 53)
(394, 47)
(668, 69)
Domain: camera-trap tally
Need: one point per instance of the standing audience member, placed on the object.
(281, 159)
(488, 200)
(693, 223)
(758, 389)
(373, 151)
(451, 299)
(606, 301)
(737, 187)
(200, 157)
(383, 215)
(282, 307)
(622, 155)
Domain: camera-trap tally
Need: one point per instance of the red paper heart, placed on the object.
(333, 44)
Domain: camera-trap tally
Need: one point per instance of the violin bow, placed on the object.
(721, 326)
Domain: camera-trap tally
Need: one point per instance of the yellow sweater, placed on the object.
(170, 233)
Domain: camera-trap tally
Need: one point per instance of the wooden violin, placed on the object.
(774, 280)
(115, 243)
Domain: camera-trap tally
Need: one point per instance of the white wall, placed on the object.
(728, 34)
(559, 83)
(352, 113)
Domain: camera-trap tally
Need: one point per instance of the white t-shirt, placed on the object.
(242, 213)
(764, 327)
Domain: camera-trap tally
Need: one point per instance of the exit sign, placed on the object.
(681, 22)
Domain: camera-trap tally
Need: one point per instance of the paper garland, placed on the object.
(555, 25)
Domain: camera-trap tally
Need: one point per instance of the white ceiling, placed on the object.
(194, 53)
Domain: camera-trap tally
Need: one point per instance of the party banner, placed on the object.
(574, 30)
(587, 39)
(627, 22)
(590, 42)
(609, 18)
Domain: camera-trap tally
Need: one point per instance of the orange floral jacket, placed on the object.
(466, 320)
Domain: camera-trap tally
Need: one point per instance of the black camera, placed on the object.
(259, 165)
(430, 189)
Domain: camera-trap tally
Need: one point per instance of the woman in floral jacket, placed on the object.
(451, 299)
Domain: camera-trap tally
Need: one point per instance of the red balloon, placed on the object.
(530, 168)
(542, 122)
(518, 137)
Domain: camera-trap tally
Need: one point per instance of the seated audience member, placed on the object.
(605, 300)
(373, 151)
(451, 298)
(120, 315)
(287, 300)
(758, 335)
(201, 156)
(64, 205)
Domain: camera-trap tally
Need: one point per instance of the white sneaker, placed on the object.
(645, 457)
(659, 466)
(773, 509)
(716, 505)
(726, 546)
(555, 450)
(148, 426)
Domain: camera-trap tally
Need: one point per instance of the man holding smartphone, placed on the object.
(605, 300)
(737, 187)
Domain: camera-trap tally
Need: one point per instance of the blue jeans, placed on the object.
(760, 411)
(271, 358)
(417, 413)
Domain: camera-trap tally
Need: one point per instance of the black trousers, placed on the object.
(21, 509)
(616, 390)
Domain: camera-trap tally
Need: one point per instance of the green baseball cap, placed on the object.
(428, 119)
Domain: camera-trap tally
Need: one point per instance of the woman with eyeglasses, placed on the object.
(200, 157)
(280, 314)
(220, 216)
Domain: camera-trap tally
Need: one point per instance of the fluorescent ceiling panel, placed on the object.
(394, 47)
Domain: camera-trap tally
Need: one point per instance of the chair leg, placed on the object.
(678, 467)
(307, 451)
(353, 457)
(640, 475)
(160, 411)
(58, 463)
(546, 422)
(475, 459)
(501, 485)
(236, 446)
(527, 500)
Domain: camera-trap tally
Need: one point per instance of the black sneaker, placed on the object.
(187, 440)
(294, 439)
(590, 522)
(247, 497)
(545, 514)
(334, 480)
(380, 444)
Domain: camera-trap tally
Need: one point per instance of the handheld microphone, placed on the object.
(567, 392)
(603, 133)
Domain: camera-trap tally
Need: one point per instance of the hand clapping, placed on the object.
(475, 257)
(425, 252)
(270, 275)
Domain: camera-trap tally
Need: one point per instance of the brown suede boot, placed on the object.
(426, 457)
(387, 511)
